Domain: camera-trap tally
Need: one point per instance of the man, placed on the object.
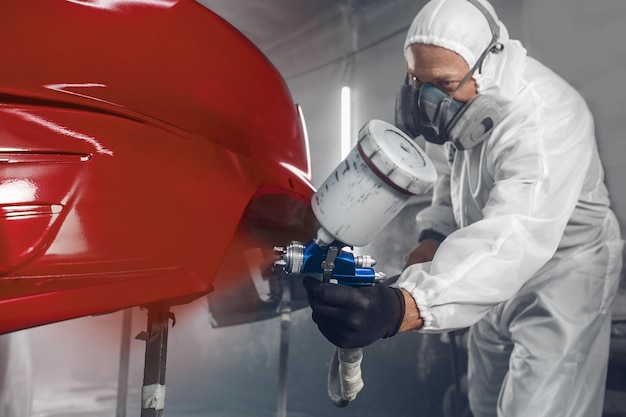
(519, 242)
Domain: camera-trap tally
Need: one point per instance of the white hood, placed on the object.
(461, 27)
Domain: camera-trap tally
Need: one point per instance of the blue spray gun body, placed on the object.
(332, 262)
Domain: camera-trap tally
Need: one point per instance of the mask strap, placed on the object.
(493, 25)
(494, 47)
(443, 109)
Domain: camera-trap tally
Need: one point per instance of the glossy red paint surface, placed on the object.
(140, 141)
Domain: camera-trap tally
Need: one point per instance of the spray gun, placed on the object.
(363, 194)
(329, 260)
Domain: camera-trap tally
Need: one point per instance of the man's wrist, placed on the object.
(431, 234)
(412, 319)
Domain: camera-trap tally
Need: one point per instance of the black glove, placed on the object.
(355, 316)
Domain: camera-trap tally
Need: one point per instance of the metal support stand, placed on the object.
(153, 391)
(122, 382)
(285, 323)
(456, 374)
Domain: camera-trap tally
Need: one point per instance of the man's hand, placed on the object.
(425, 252)
(352, 317)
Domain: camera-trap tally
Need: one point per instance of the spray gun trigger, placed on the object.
(329, 263)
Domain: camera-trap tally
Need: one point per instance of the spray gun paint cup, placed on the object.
(372, 185)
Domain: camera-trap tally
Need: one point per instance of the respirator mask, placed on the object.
(438, 117)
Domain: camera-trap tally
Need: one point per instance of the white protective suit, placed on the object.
(533, 253)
